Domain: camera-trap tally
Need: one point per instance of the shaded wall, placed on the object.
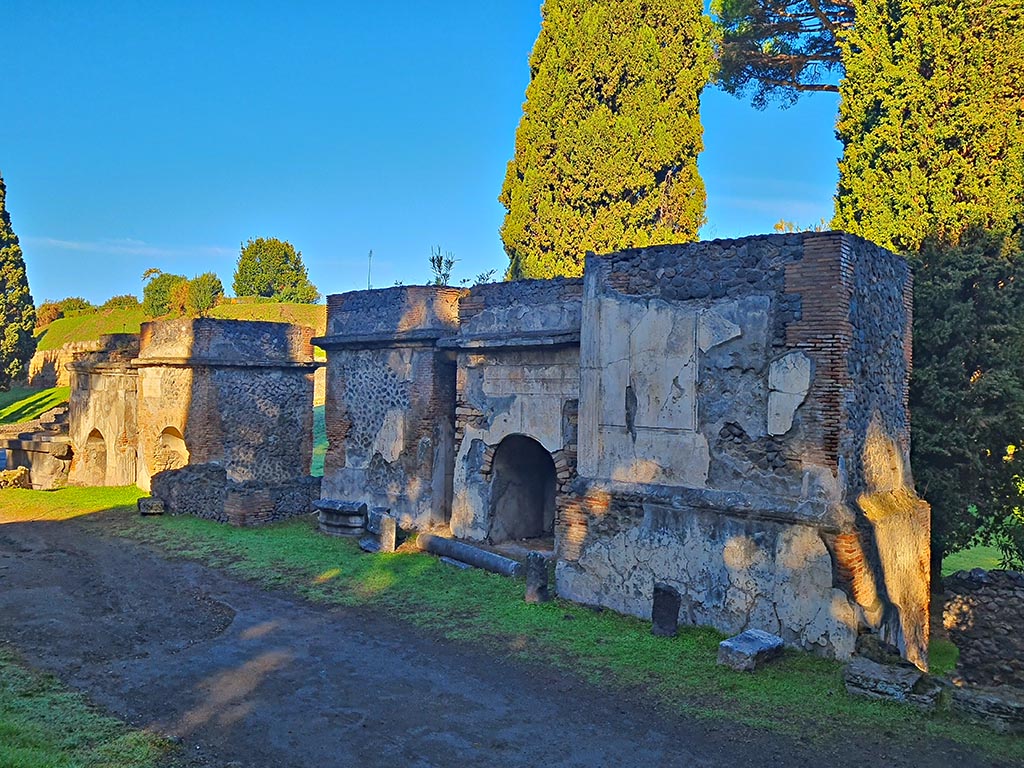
(390, 400)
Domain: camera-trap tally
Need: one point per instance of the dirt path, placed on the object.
(250, 678)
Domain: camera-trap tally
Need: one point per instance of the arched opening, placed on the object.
(172, 452)
(94, 460)
(522, 490)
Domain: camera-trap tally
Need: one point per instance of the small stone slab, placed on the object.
(456, 563)
(151, 507)
(537, 578)
(383, 530)
(665, 612)
(341, 518)
(902, 682)
(747, 650)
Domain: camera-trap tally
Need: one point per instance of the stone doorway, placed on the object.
(522, 490)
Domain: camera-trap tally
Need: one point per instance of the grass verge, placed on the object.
(43, 725)
(801, 695)
(22, 404)
(975, 557)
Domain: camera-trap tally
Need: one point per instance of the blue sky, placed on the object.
(144, 134)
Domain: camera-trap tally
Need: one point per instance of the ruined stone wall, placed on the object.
(984, 615)
(742, 407)
(518, 374)
(103, 413)
(390, 401)
(233, 395)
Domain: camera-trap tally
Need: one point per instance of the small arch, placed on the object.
(522, 490)
(94, 460)
(172, 453)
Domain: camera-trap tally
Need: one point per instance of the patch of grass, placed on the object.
(43, 725)
(21, 404)
(975, 557)
(319, 441)
(311, 315)
(800, 694)
(18, 505)
(942, 656)
(90, 325)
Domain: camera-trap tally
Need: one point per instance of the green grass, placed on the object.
(942, 656)
(319, 441)
(801, 695)
(21, 404)
(975, 557)
(43, 725)
(89, 326)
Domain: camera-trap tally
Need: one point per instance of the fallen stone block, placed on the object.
(537, 578)
(15, 478)
(1000, 709)
(383, 530)
(341, 518)
(150, 507)
(901, 682)
(748, 650)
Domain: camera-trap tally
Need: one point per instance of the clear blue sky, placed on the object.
(144, 134)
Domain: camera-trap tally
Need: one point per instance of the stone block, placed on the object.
(383, 530)
(665, 612)
(341, 518)
(902, 682)
(15, 478)
(537, 578)
(747, 650)
(151, 507)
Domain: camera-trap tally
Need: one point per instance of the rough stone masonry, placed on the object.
(727, 418)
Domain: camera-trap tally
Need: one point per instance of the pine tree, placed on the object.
(17, 310)
(606, 150)
(931, 120)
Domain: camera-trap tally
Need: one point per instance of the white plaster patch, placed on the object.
(390, 438)
(789, 379)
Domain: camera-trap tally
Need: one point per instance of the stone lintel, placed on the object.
(662, 500)
(426, 337)
(518, 341)
(201, 362)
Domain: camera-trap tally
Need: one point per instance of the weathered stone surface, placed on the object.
(151, 506)
(536, 578)
(665, 613)
(383, 530)
(15, 478)
(789, 378)
(748, 650)
(984, 615)
(467, 553)
(339, 517)
(902, 682)
(1001, 709)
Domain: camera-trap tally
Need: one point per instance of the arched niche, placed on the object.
(522, 490)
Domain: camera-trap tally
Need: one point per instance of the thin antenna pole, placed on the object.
(369, 264)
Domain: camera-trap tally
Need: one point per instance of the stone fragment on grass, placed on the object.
(665, 612)
(902, 682)
(151, 506)
(748, 650)
(15, 478)
(536, 578)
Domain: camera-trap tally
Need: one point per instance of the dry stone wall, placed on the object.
(984, 616)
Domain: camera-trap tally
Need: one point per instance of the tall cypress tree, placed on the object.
(17, 312)
(606, 151)
(931, 120)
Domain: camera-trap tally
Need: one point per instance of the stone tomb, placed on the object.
(741, 412)
(214, 417)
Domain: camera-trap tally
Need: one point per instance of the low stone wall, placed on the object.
(203, 490)
(984, 615)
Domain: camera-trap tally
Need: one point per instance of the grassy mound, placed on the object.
(21, 404)
(89, 326)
